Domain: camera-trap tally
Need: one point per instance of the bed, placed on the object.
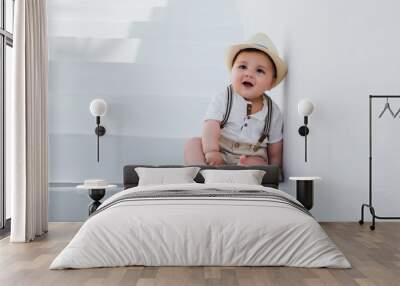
(201, 224)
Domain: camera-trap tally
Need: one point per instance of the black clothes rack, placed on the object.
(369, 205)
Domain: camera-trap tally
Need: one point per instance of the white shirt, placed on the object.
(242, 128)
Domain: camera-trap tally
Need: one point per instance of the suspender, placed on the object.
(228, 106)
(267, 125)
(268, 117)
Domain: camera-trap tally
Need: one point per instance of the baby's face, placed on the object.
(252, 74)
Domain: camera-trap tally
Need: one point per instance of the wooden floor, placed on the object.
(374, 255)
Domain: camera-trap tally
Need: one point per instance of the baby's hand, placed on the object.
(214, 158)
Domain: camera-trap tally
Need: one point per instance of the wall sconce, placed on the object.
(305, 108)
(98, 107)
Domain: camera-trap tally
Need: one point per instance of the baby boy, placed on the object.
(243, 126)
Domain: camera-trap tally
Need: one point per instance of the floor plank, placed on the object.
(375, 257)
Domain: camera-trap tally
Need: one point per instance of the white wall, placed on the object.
(157, 63)
(338, 53)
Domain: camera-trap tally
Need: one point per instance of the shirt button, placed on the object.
(236, 145)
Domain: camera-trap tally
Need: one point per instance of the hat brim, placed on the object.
(281, 68)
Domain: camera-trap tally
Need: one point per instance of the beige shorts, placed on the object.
(231, 151)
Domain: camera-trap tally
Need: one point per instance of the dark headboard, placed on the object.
(270, 179)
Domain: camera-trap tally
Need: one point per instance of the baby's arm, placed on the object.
(210, 142)
(274, 151)
(211, 134)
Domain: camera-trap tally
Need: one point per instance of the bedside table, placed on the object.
(96, 193)
(304, 190)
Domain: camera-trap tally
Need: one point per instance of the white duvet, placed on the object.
(200, 231)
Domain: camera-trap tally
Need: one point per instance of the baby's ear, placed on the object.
(272, 83)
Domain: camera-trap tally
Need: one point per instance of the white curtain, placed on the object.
(28, 123)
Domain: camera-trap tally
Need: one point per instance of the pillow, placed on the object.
(249, 177)
(162, 176)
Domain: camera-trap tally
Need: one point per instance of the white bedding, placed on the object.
(200, 231)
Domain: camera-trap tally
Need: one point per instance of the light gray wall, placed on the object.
(157, 63)
(338, 53)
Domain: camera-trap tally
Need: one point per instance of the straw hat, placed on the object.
(259, 41)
